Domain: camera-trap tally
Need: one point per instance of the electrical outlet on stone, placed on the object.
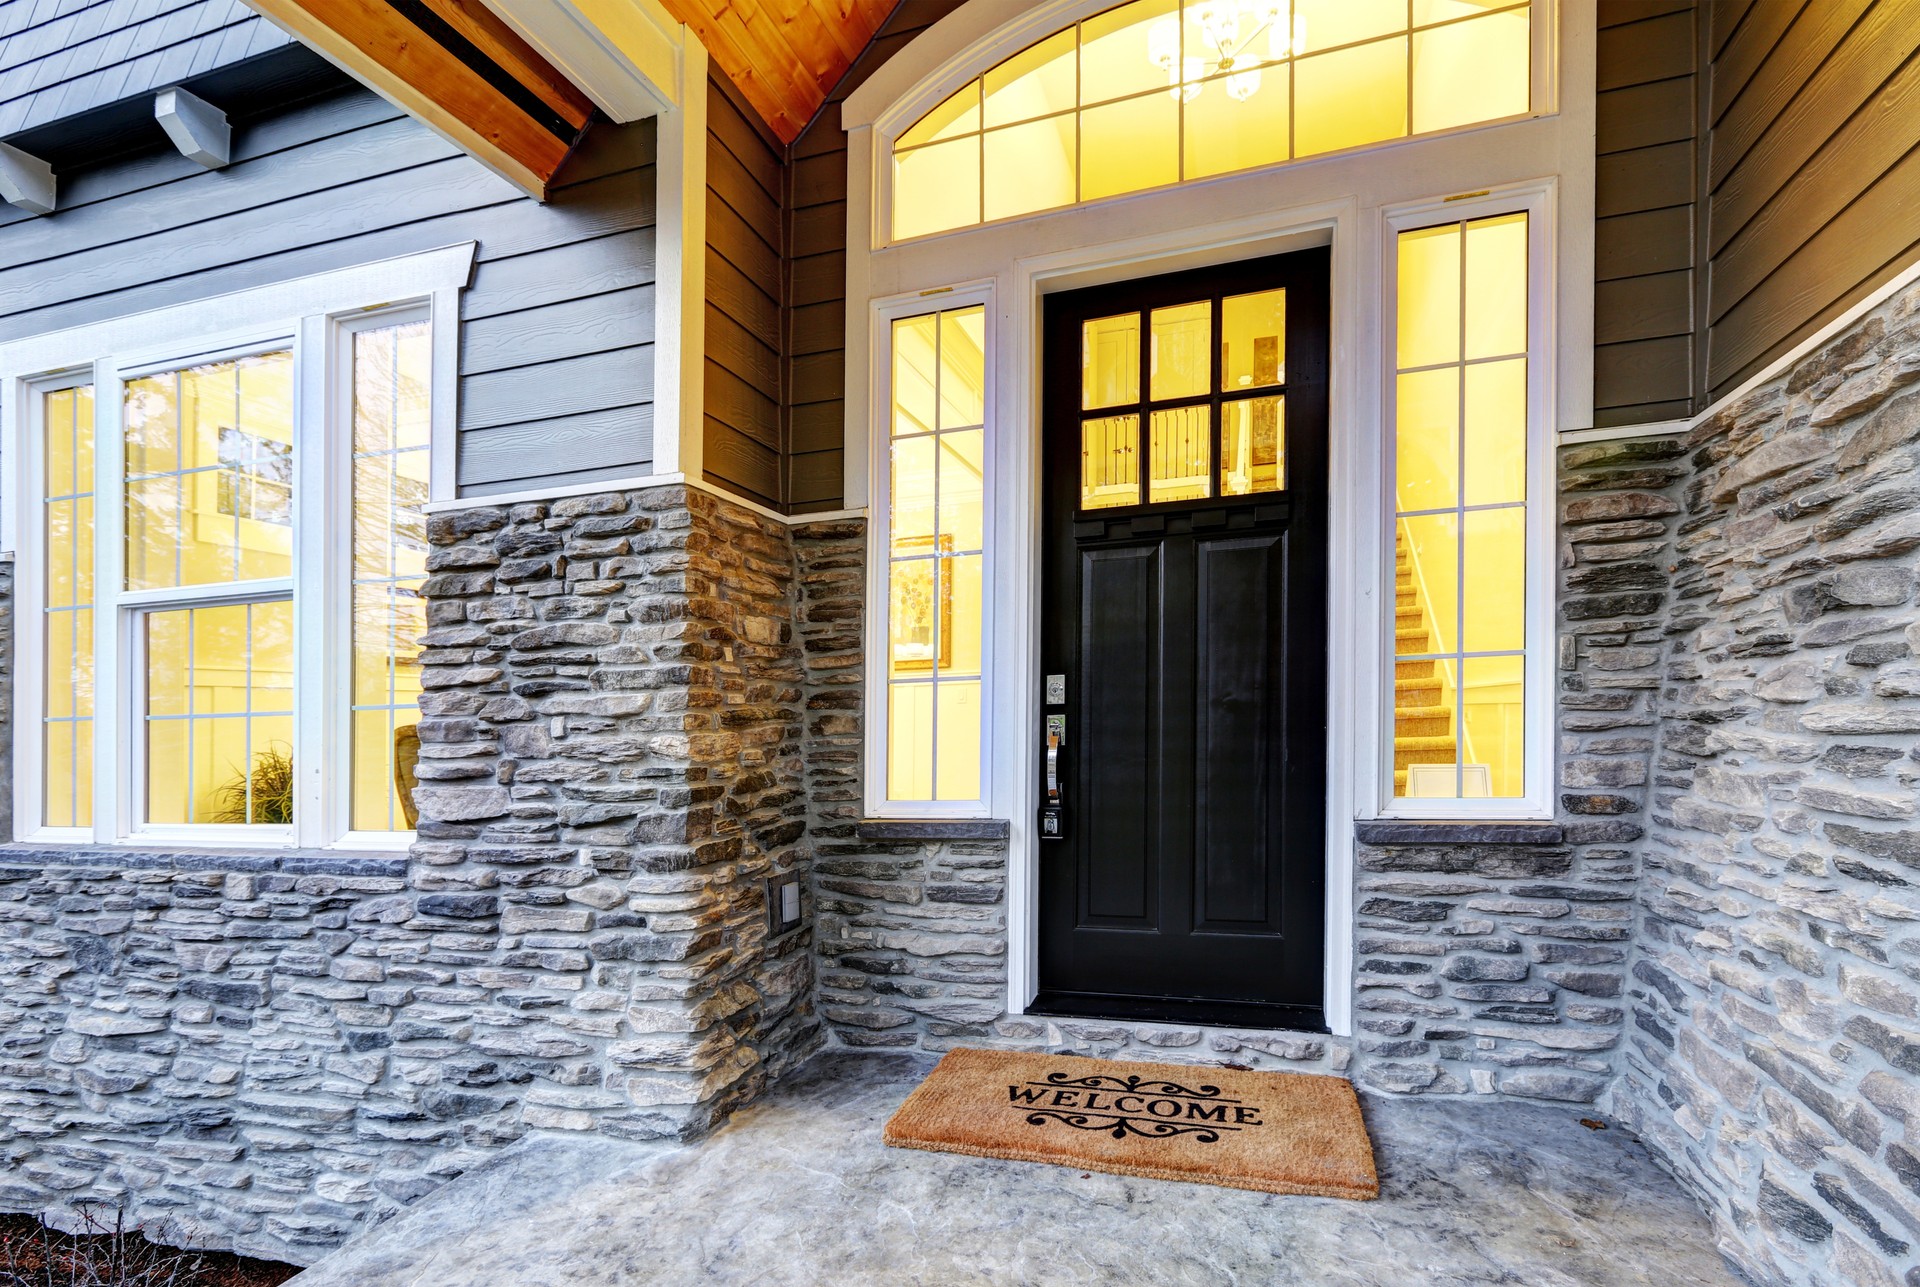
(783, 903)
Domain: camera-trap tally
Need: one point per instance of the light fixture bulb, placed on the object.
(1243, 85)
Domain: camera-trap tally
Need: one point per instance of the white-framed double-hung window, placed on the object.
(220, 558)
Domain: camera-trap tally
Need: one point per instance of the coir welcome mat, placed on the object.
(1276, 1132)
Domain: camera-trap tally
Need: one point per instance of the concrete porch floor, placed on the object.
(798, 1189)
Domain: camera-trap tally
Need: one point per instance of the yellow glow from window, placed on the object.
(67, 490)
(220, 714)
(1180, 454)
(1350, 97)
(209, 458)
(1181, 351)
(392, 369)
(1253, 446)
(1110, 462)
(1479, 70)
(936, 591)
(1162, 91)
(1460, 531)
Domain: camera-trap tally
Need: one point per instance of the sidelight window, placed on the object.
(1160, 92)
(1465, 597)
(935, 559)
(229, 591)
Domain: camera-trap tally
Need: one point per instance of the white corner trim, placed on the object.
(536, 495)
(625, 55)
(634, 483)
(680, 286)
(1620, 433)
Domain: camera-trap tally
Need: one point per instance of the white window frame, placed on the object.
(1538, 202)
(314, 316)
(880, 566)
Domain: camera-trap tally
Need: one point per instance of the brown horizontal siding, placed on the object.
(815, 414)
(1814, 177)
(742, 439)
(1646, 185)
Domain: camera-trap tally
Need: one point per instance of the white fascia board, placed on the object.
(625, 55)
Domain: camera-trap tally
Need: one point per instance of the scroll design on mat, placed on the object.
(1149, 1108)
(1121, 1127)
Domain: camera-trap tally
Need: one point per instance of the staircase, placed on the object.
(1423, 730)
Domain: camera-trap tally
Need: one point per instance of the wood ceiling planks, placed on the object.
(785, 56)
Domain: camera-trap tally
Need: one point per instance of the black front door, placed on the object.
(1184, 606)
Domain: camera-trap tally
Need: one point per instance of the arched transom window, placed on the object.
(1163, 91)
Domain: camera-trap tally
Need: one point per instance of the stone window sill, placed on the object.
(1397, 832)
(292, 862)
(932, 829)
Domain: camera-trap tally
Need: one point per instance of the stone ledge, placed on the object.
(932, 829)
(1458, 833)
(293, 862)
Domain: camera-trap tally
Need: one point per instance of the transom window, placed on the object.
(230, 591)
(1159, 92)
(1209, 417)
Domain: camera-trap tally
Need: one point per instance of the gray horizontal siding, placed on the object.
(557, 329)
(59, 58)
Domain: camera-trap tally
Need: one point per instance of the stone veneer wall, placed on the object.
(1493, 964)
(263, 1051)
(1497, 966)
(1775, 1046)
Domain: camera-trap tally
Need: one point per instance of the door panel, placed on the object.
(1184, 600)
(1242, 584)
(1121, 660)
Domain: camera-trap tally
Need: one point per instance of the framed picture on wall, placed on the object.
(923, 607)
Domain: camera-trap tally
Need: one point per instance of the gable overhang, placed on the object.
(457, 67)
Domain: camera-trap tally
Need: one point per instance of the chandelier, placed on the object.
(1229, 28)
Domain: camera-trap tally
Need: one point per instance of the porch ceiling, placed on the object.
(785, 56)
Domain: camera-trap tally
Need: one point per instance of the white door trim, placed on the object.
(1017, 525)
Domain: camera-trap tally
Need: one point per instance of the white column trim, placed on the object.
(680, 288)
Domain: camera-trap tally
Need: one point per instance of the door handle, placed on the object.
(1052, 816)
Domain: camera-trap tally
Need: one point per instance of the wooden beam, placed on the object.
(454, 67)
(501, 43)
